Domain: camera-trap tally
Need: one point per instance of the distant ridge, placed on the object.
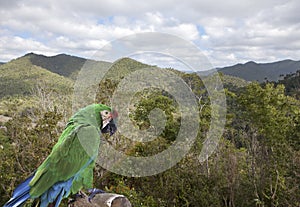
(69, 66)
(20, 77)
(62, 64)
(252, 71)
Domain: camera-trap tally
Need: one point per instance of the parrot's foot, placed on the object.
(93, 192)
(78, 195)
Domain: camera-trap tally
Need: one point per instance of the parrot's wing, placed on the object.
(67, 160)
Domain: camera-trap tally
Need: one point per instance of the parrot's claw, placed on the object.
(93, 192)
(76, 196)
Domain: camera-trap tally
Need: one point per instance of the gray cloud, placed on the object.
(227, 32)
(9, 4)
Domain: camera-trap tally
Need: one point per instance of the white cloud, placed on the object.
(14, 46)
(227, 31)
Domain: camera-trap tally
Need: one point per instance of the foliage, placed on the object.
(292, 84)
(26, 144)
(270, 126)
(256, 163)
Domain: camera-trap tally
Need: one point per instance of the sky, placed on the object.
(226, 32)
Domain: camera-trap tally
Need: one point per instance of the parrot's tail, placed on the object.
(21, 194)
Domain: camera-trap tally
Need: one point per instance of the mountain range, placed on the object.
(68, 66)
(19, 75)
(252, 71)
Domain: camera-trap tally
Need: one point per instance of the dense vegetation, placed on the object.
(257, 162)
(292, 84)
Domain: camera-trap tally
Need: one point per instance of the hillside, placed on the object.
(233, 83)
(20, 76)
(62, 64)
(69, 66)
(122, 67)
(258, 151)
(252, 71)
(292, 84)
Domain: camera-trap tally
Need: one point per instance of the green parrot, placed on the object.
(69, 167)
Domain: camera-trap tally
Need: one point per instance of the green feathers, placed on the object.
(74, 154)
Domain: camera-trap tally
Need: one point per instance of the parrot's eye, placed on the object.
(104, 113)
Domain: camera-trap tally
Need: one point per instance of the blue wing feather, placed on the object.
(61, 189)
(21, 194)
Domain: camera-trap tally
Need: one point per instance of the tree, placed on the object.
(269, 116)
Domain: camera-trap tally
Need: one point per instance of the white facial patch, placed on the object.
(106, 117)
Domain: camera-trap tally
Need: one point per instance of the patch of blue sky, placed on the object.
(106, 20)
(201, 30)
(24, 35)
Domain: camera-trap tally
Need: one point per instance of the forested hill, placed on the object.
(20, 76)
(68, 66)
(256, 161)
(62, 64)
(292, 84)
(252, 71)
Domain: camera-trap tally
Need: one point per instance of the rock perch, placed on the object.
(102, 200)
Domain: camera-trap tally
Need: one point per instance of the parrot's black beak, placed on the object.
(110, 128)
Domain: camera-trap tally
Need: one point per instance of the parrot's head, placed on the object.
(108, 124)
